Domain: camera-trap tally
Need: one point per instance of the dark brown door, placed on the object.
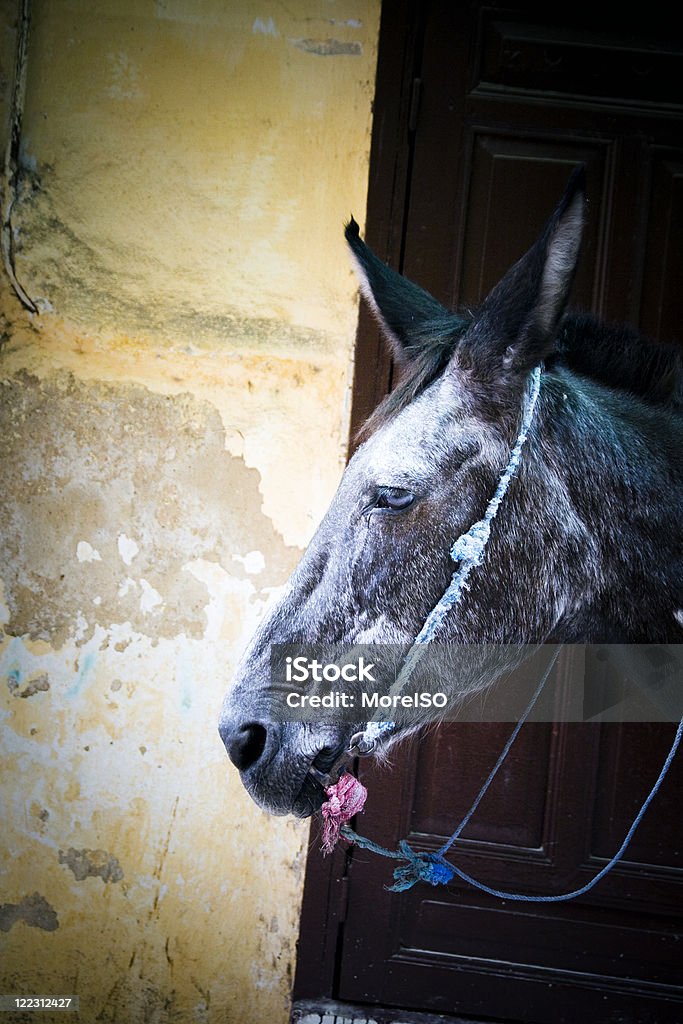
(481, 113)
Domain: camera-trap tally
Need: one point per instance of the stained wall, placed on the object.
(174, 407)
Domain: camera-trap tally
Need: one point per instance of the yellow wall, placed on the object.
(173, 423)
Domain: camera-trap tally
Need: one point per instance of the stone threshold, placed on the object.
(326, 1011)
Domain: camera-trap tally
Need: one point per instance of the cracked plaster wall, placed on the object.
(173, 424)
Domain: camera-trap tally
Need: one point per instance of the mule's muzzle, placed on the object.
(274, 760)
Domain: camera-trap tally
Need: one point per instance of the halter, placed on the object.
(468, 550)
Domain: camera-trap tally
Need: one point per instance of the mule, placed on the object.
(588, 546)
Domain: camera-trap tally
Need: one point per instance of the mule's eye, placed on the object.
(395, 498)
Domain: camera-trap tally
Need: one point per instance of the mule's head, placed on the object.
(430, 461)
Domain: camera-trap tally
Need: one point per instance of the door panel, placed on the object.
(521, 822)
(500, 228)
(598, 58)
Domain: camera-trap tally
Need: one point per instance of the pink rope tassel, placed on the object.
(344, 799)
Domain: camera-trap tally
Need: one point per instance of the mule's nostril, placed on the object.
(247, 744)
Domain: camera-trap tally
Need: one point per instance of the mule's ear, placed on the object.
(408, 315)
(517, 324)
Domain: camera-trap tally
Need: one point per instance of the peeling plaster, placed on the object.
(151, 598)
(39, 684)
(4, 609)
(329, 47)
(128, 549)
(91, 864)
(33, 910)
(253, 562)
(268, 406)
(265, 26)
(201, 505)
(86, 552)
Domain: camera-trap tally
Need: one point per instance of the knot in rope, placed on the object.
(421, 867)
(469, 547)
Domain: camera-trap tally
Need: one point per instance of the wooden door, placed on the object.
(481, 113)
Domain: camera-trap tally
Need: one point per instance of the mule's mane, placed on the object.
(620, 357)
(614, 355)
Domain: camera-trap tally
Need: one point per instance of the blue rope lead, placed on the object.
(435, 869)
